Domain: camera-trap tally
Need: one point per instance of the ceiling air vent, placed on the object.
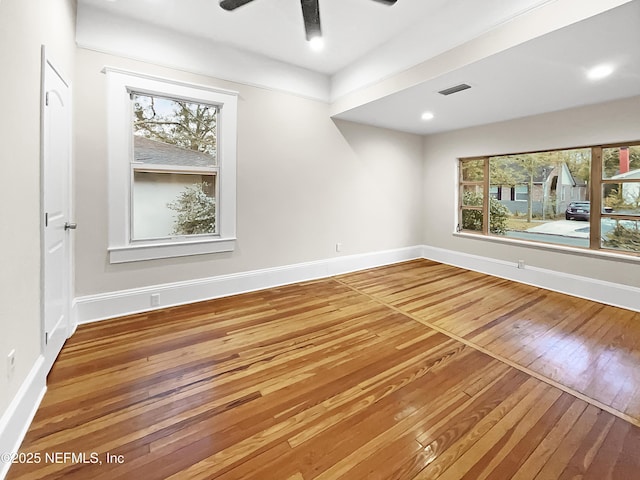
(456, 89)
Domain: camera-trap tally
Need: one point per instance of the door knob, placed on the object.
(70, 226)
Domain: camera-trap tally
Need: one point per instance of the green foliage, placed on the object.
(472, 219)
(512, 170)
(531, 168)
(578, 161)
(498, 216)
(521, 169)
(623, 238)
(472, 199)
(472, 170)
(196, 211)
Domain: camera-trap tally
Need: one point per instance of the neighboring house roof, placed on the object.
(159, 153)
(630, 174)
(572, 180)
(542, 174)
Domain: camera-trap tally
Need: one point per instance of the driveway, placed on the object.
(565, 228)
(561, 232)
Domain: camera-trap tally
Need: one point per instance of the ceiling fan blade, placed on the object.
(233, 4)
(386, 2)
(311, 15)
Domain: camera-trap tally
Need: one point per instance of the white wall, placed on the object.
(611, 122)
(304, 184)
(24, 26)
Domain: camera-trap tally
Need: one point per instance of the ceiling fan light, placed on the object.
(600, 71)
(316, 43)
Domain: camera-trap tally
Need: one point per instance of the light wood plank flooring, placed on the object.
(383, 374)
(589, 348)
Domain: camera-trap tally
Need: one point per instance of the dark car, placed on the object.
(580, 211)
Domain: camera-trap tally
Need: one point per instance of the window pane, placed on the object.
(472, 220)
(621, 198)
(170, 204)
(532, 193)
(621, 162)
(174, 132)
(472, 195)
(522, 193)
(621, 234)
(472, 170)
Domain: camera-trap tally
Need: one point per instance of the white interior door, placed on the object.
(56, 167)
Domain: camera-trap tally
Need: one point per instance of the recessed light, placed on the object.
(427, 116)
(316, 43)
(600, 71)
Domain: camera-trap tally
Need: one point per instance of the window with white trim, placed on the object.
(172, 167)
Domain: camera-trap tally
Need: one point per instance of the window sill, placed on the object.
(603, 254)
(141, 252)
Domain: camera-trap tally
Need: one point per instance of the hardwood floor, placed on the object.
(586, 347)
(383, 374)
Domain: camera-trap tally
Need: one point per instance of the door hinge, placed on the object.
(46, 219)
(46, 99)
(46, 338)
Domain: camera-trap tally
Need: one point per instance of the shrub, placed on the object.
(196, 211)
(498, 214)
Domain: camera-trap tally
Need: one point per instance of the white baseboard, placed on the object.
(16, 419)
(609, 293)
(126, 302)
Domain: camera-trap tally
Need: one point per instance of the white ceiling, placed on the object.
(351, 28)
(367, 42)
(542, 75)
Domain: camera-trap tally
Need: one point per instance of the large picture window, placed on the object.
(172, 168)
(584, 197)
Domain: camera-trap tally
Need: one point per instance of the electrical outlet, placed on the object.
(521, 264)
(155, 299)
(338, 247)
(11, 364)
